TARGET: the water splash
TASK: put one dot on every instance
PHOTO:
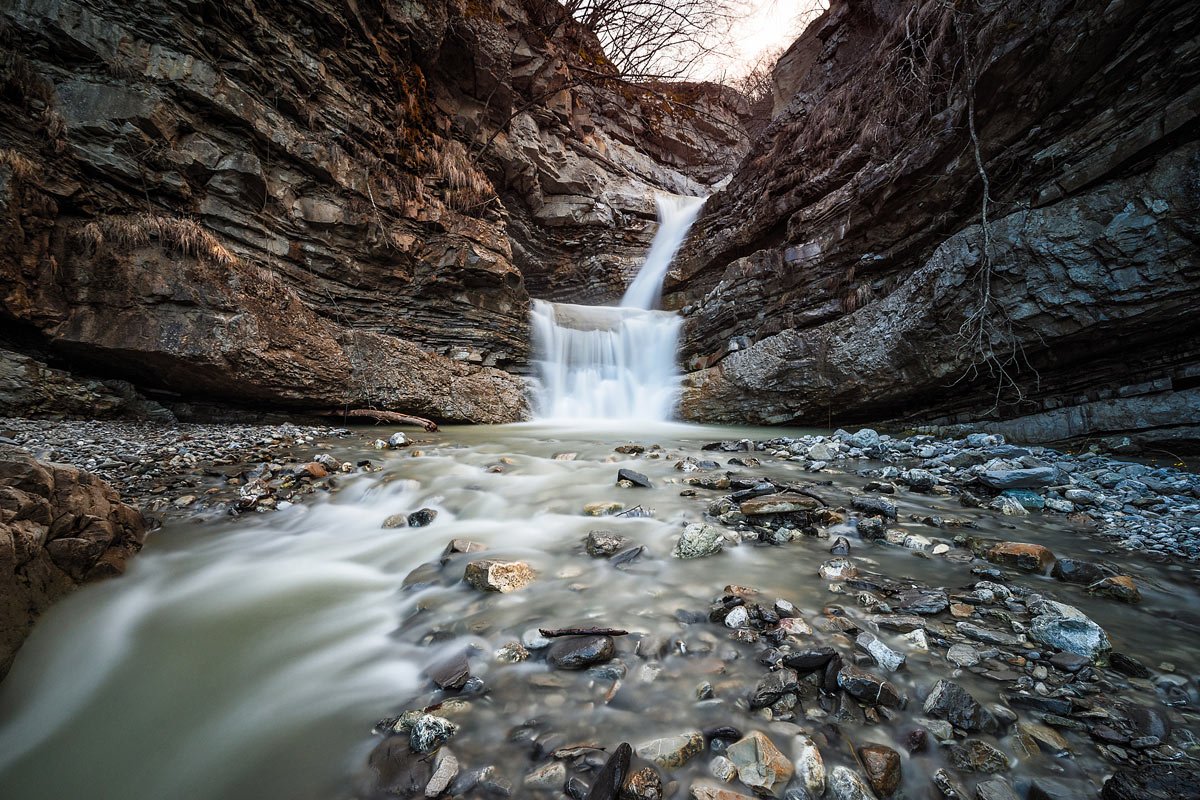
(615, 363)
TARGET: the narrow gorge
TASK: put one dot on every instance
(705, 399)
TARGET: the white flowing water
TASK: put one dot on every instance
(615, 363)
(248, 659)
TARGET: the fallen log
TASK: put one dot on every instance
(393, 417)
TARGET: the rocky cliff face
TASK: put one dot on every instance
(59, 528)
(316, 205)
(849, 272)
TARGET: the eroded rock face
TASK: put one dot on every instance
(836, 271)
(59, 528)
(293, 206)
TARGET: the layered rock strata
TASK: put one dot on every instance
(317, 206)
(849, 271)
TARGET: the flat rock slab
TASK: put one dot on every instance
(778, 504)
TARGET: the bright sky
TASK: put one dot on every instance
(768, 24)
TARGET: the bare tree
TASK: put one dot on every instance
(657, 39)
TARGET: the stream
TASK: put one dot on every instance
(250, 659)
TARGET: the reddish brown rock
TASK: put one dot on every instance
(1022, 556)
(1118, 587)
(60, 527)
(882, 765)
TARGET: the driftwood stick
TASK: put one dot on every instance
(394, 417)
(551, 633)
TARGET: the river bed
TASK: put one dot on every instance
(250, 658)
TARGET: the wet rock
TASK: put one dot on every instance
(951, 702)
(672, 752)
(1008, 506)
(553, 776)
(1118, 587)
(870, 528)
(700, 791)
(698, 540)
(451, 673)
(445, 770)
(884, 656)
(430, 732)
(580, 652)
(1127, 665)
(760, 765)
(995, 789)
(1020, 478)
(602, 508)
(1069, 662)
(867, 687)
(1022, 556)
(845, 784)
(489, 575)
(809, 659)
(962, 655)
(422, 517)
(875, 506)
(865, 439)
(779, 504)
(840, 546)
(987, 635)
(975, 755)
(808, 766)
(608, 782)
(1153, 782)
(1073, 570)
(395, 521)
(397, 770)
(949, 788)
(920, 601)
(645, 784)
(602, 544)
(882, 765)
(838, 569)
(459, 546)
(772, 686)
(903, 623)
(722, 769)
(1065, 627)
(426, 574)
(511, 653)
(636, 478)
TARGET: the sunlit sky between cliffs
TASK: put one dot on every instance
(766, 25)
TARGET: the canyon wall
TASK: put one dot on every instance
(849, 273)
(320, 205)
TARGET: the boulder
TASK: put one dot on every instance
(1065, 627)
(1021, 555)
(698, 540)
(60, 528)
(951, 702)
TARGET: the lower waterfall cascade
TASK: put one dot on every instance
(615, 362)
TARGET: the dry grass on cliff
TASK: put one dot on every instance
(467, 188)
(21, 167)
(181, 234)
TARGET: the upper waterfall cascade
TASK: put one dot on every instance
(615, 362)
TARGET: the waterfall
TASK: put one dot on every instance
(606, 362)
